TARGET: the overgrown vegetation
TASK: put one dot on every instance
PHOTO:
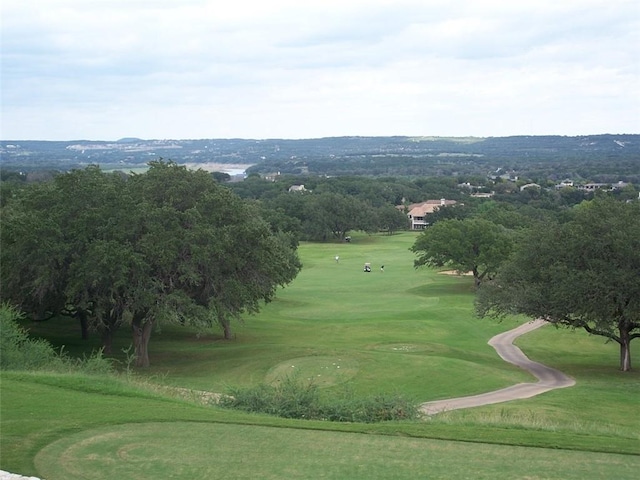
(18, 351)
(291, 398)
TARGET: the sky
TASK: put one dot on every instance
(258, 69)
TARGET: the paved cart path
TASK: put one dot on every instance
(548, 378)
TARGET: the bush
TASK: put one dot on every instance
(287, 399)
(293, 399)
(94, 364)
(378, 408)
(17, 350)
(20, 352)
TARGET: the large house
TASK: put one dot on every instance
(418, 212)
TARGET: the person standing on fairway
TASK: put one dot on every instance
(337, 259)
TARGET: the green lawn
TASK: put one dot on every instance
(401, 330)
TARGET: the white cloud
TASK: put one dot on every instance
(285, 68)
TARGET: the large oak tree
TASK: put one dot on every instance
(210, 255)
(582, 273)
(169, 245)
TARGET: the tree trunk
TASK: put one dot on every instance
(84, 325)
(625, 349)
(107, 340)
(141, 335)
(227, 330)
(477, 278)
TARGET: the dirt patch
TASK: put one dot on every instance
(198, 396)
(455, 272)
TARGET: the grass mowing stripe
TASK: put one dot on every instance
(35, 414)
(203, 451)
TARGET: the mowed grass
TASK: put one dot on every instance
(399, 331)
(73, 427)
(404, 330)
(277, 453)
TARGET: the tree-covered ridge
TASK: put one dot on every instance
(594, 157)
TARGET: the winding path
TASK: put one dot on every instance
(548, 378)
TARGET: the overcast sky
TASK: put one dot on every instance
(154, 69)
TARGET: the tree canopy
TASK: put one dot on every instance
(471, 245)
(583, 273)
(167, 245)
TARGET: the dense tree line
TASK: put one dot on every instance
(330, 208)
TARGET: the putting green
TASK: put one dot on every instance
(323, 371)
(190, 451)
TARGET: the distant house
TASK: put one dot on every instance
(271, 177)
(590, 187)
(501, 174)
(482, 194)
(565, 184)
(618, 185)
(297, 188)
(418, 212)
(476, 191)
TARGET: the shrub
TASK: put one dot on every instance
(17, 350)
(94, 364)
(287, 399)
(20, 352)
(293, 399)
(377, 408)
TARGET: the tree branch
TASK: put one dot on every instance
(594, 331)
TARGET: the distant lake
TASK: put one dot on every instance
(230, 168)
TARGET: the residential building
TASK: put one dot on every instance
(418, 212)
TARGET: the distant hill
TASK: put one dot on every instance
(594, 157)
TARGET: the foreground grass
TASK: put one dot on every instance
(205, 450)
(74, 427)
(403, 331)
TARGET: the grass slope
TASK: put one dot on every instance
(74, 427)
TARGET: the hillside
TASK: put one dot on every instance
(598, 157)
